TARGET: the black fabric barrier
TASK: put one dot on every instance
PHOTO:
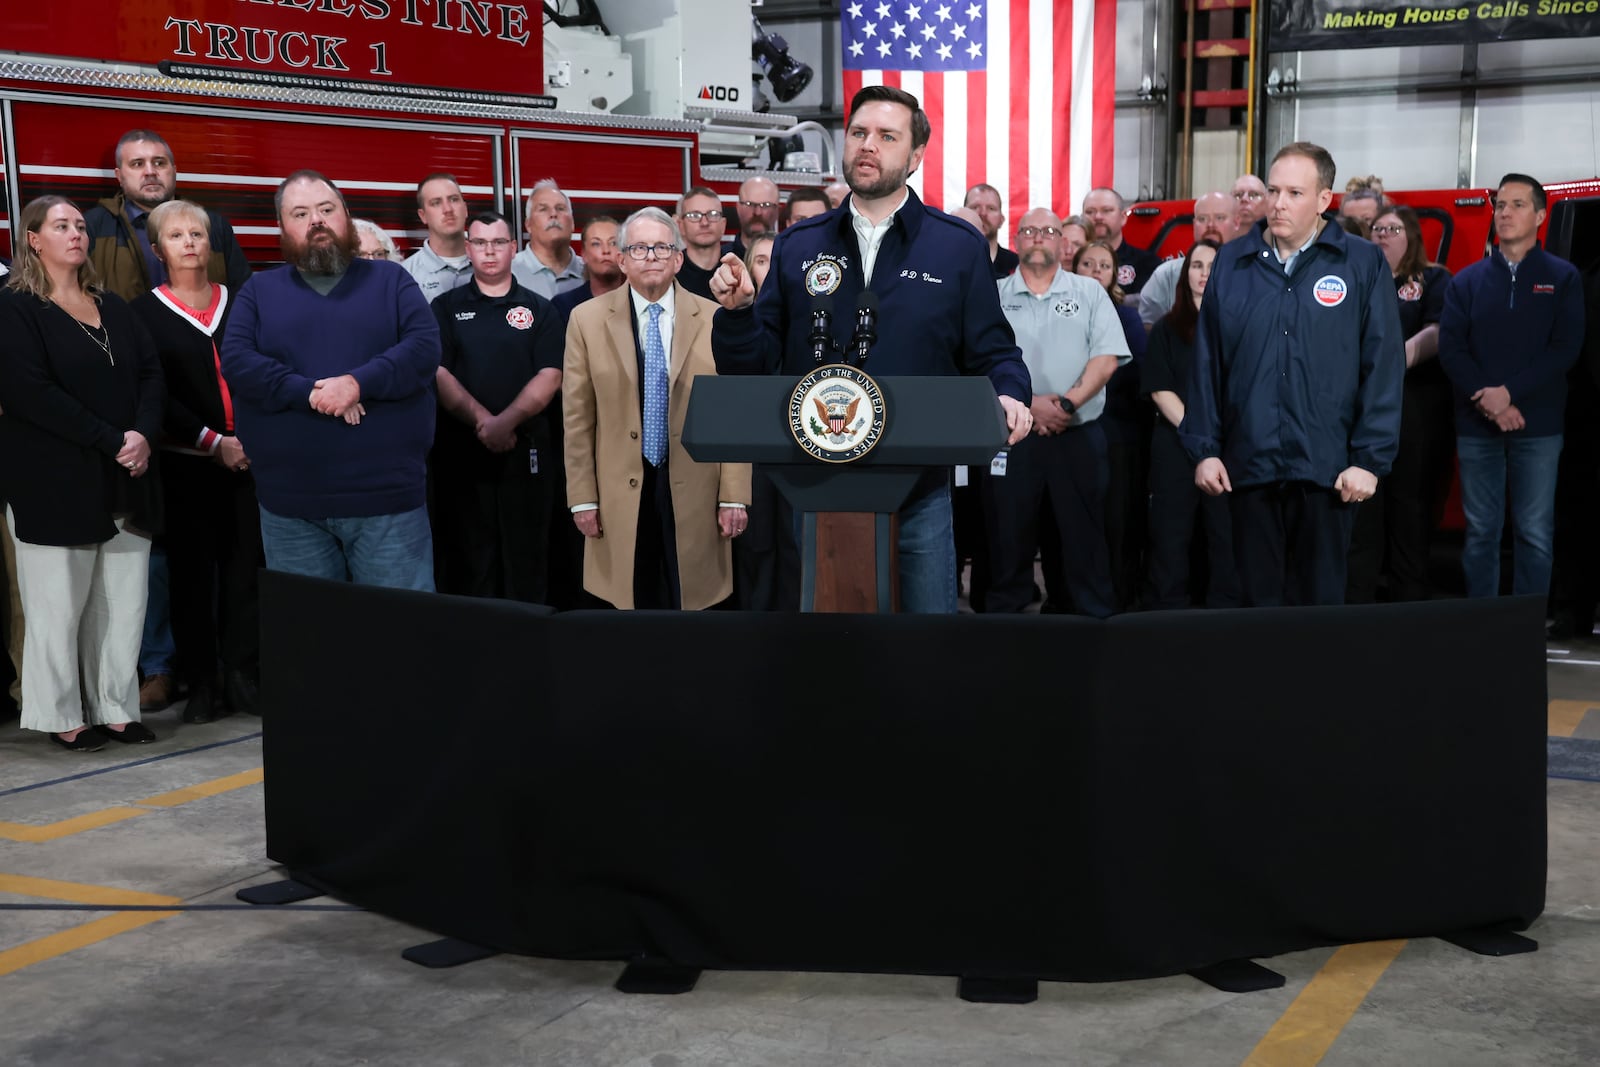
(1031, 796)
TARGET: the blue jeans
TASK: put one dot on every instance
(1527, 466)
(927, 548)
(158, 649)
(388, 550)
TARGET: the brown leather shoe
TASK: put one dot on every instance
(156, 693)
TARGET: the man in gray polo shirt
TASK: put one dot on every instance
(1215, 218)
(1071, 341)
(441, 264)
(547, 265)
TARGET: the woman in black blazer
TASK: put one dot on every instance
(213, 530)
(81, 396)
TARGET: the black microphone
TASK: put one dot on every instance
(822, 343)
(866, 334)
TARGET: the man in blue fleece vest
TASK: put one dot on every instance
(1511, 328)
(331, 361)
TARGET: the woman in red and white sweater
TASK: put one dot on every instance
(213, 523)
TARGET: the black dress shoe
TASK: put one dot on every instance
(134, 733)
(242, 692)
(201, 706)
(86, 741)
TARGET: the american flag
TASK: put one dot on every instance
(1020, 92)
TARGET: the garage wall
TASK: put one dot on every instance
(1407, 114)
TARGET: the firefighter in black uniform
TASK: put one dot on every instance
(493, 464)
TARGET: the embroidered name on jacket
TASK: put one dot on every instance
(1544, 289)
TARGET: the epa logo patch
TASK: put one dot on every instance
(1330, 290)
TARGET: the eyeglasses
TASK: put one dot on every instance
(376, 253)
(661, 251)
(1036, 231)
(480, 243)
(758, 205)
(706, 216)
(1250, 195)
(1388, 231)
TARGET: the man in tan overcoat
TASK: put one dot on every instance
(656, 524)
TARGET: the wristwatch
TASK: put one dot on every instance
(1067, 405)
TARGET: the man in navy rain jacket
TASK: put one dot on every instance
(1294, 399)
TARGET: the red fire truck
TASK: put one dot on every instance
(1457, 224)
(373, 93)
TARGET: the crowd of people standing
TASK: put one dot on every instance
(1269, 418)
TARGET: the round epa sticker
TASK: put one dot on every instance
(520, 317)
(836, 413)
(1126, 274)
(1330, 290)
(823, 277)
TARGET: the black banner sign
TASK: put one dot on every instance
(1308, 25)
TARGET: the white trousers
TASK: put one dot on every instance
(85, 610)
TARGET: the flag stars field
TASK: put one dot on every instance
(1013, 93)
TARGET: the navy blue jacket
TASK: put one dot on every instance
(938, 305)
(1297, 376)
(1524, 335)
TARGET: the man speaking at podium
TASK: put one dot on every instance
(938, 310)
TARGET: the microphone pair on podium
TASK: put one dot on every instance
(824, 348)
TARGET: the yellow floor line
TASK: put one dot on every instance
(1565, 715)
(24, 885)
(1310, 1025)
(59, 944)
(16, 831)
(204, 789)
(52, 945)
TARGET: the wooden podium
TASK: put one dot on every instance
(848, 527)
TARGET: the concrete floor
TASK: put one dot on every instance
(179, 823)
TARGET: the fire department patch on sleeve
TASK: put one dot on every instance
(520, 317)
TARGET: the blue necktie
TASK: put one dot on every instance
(655, 390)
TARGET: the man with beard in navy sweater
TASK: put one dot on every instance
(331, 361)
(1511, 328)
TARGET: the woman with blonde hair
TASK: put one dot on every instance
(82, 396)
(758, 257)
(213, 529)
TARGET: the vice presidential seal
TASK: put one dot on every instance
(823, 277)
(836, 413)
